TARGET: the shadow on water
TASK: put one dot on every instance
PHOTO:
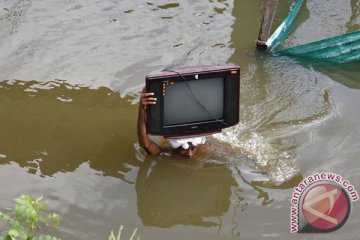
(55, 127)
(346, 73)
(172, 192)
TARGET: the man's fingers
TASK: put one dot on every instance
(148, 94)
(149, 102)
(151, 99)
(147, 98)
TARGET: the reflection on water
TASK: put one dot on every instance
(354, 22)
(172, 192)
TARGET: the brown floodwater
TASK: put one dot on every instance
(70, 76)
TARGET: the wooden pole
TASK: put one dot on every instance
(265, 27)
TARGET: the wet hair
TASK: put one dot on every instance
(191, 146)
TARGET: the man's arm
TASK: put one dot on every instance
(144, 140)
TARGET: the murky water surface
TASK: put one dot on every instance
(70, 76)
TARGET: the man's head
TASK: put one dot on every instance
(187, 146)
(189, 152)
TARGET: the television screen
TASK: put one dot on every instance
(194, 101)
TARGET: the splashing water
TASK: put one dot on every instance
(278, 165)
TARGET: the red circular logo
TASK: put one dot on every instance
(326, 207)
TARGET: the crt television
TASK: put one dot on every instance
(193, 100)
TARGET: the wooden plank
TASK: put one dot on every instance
(265, 27)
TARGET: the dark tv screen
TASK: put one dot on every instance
(194, 101)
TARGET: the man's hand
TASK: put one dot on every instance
(146, 99)
(144, 141)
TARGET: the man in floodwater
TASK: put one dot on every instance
(186, 147)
